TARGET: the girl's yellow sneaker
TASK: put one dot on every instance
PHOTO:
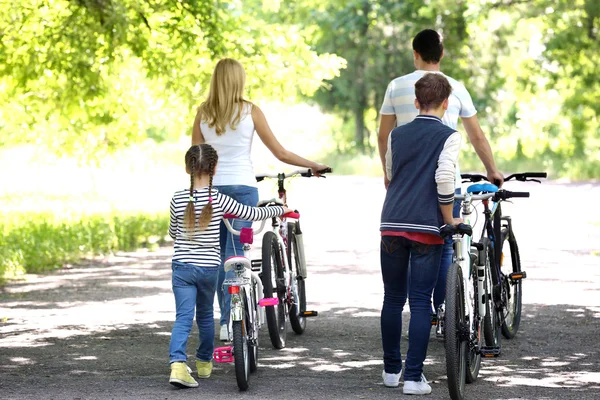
(204, 368)
(180, 376)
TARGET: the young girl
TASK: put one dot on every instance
(194, 225)
(227, 121)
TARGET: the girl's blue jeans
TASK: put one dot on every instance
(230, 244)
(396, 252)
(194, 289)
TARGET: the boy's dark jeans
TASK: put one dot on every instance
(396, 252)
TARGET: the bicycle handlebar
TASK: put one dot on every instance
(238, 233)
(494, 196)
(226, 217)
(522, 176)
(307, 173)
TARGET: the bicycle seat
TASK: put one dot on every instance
(231, 263)
(449, 230)
(482, 188)
(263, 203)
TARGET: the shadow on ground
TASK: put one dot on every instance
(102, 332)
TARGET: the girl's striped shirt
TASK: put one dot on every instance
(202, 248)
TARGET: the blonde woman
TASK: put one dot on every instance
(227, 121)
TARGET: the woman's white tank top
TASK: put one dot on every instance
(234, 149)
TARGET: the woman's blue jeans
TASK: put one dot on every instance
(396, 252)
(230, 244)
(194, 288)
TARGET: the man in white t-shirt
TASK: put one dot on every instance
(399, 108)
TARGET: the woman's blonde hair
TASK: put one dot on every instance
(225, 102)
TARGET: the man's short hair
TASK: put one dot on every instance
(428, 43)
(431, 91)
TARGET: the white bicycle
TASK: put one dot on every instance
(247, 308)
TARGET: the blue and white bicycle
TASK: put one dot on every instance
(483, 288)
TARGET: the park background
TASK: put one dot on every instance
(97, 99)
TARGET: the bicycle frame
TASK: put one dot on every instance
(245, 278)
(279, 226)
(463, 245)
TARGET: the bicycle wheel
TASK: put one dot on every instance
(273, 278)
(474, 356)
(297, 321)
(252, 330)
(455, 324)
(491, 323)
(240, 355)
(511, 290)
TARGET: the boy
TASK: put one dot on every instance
(421, 163)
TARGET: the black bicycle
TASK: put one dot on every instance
(483, 289)
(499, 250)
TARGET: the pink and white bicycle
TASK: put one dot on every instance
(247, 308)
(284, 266)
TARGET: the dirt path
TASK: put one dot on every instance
(101, 330)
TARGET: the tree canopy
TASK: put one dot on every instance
(85, 76)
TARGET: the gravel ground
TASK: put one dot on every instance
(100, 330)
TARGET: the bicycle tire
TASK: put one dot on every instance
(253, 348)
(513, 290)
(473, 355)
(272, 267)
(454, 320)
(240, 355)
(491, 324)
(298, 322)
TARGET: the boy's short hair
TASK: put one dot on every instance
(428, 43)
(431, 90)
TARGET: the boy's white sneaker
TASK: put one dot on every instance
(224, 334)
(390, 380)
(414, 387)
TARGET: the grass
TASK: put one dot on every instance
(37, 242)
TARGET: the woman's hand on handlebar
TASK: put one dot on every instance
(318, 167)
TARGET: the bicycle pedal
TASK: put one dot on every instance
(489, 352)
(517, 276)
(434, 319)
(268, 301)
(309, 313)
(223, 354)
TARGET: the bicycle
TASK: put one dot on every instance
(504, 281)
(477, 294)
(284, 266)
(245, 318)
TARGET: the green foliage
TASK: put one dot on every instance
(33, 242)
(87, 77)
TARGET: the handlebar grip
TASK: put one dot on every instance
(291, 214)
(536, 174)
(505, 195)
(327, 170)
(516, 194)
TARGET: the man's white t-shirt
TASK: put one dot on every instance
(400, 101)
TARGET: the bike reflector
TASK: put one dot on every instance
(233, 289)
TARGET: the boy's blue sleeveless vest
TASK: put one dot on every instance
(411, 203)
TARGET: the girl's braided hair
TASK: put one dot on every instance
(200, 160)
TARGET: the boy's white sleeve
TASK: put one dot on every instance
(388, 158)
(446, 170)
